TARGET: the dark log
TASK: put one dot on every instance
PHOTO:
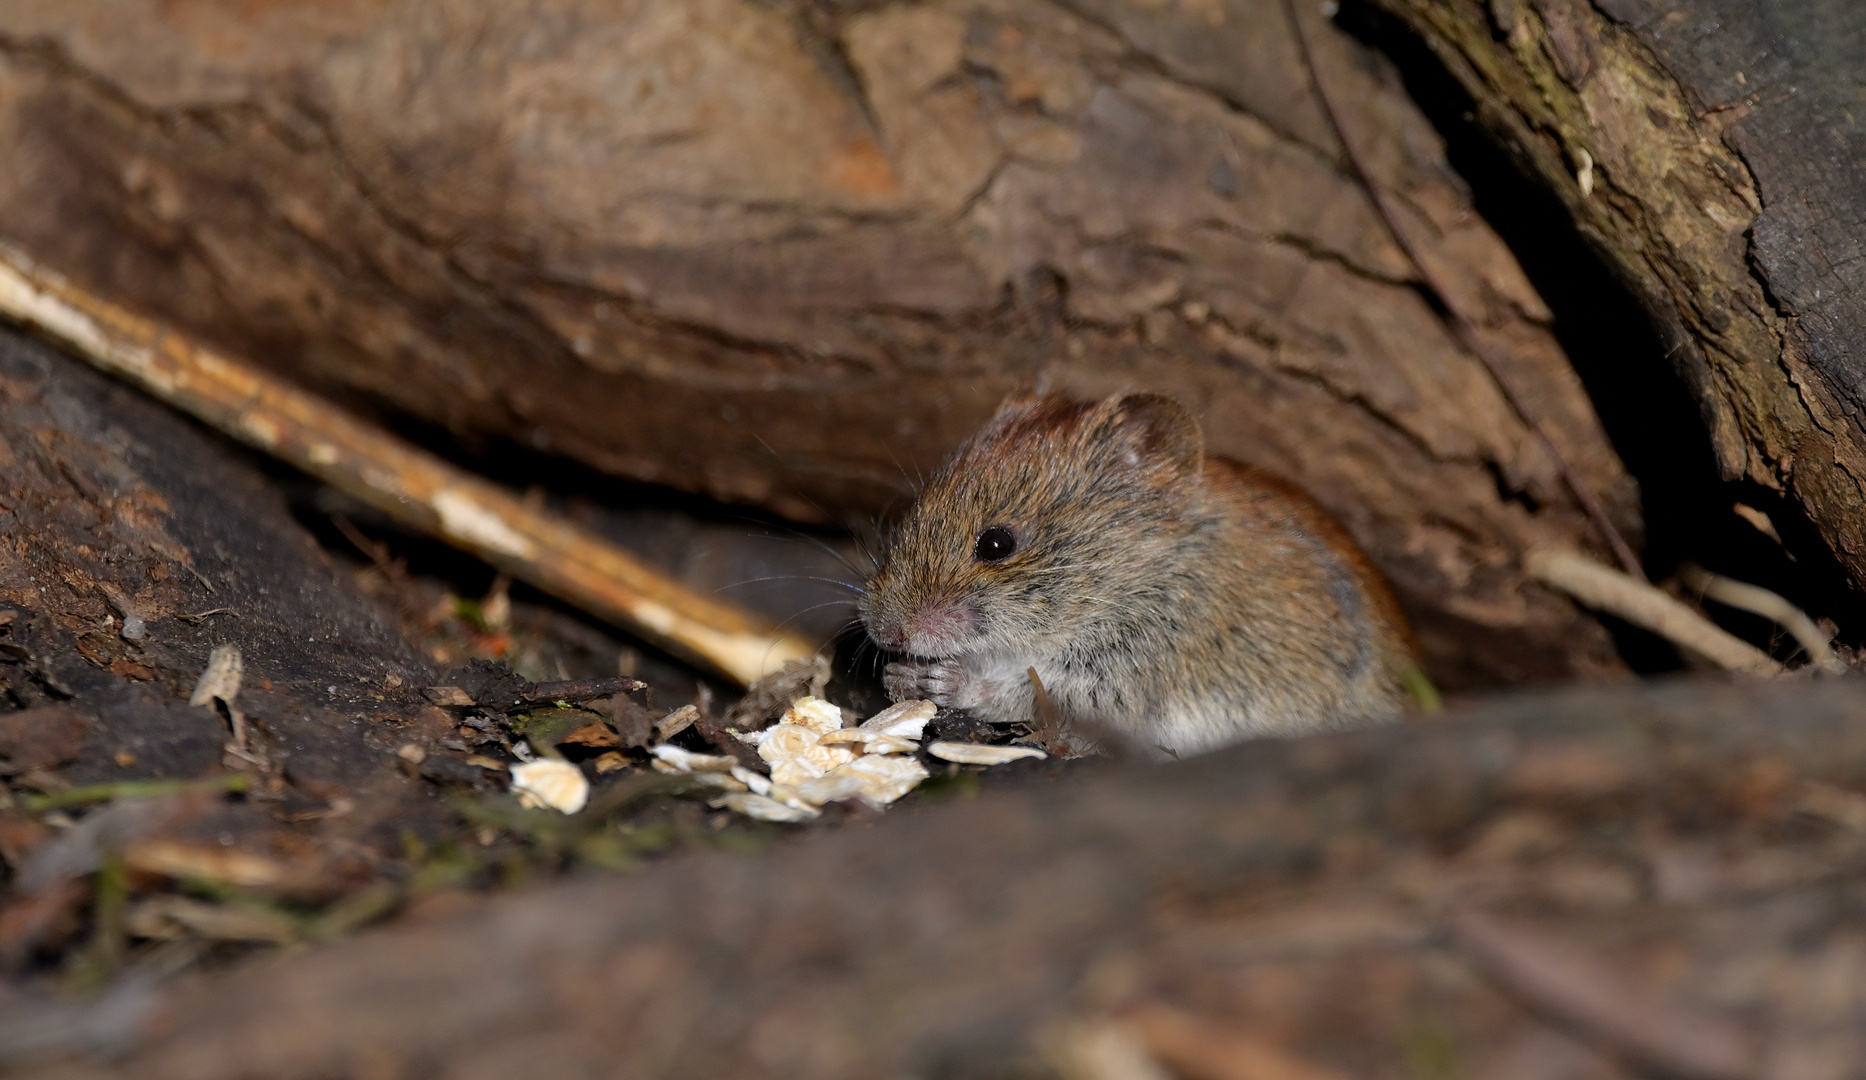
(1722, 143)
(790, 254)
(131, 544)
(1588, 884)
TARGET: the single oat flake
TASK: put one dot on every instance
(905, 720)
(764, 808)
(550, 782)
(671, 758)
(974, 754)
(791, 748)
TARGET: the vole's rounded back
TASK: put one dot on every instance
(1185, 602)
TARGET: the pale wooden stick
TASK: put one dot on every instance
(412, 486)
(1760, 601)
(1606, 589)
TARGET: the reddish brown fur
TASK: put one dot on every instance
(1248, 481)
(1183, 600)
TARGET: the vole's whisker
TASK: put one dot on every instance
(856, 589)
(821, 544)
(918, 480)
(795, 615)
(867, 553)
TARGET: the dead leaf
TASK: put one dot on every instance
(169, 917)
(220, 680)
(594, 733)
(226, 866)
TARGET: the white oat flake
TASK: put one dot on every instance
(906, 719)
(974, 754)
(679, 759)
(550, 782)
(763, 807)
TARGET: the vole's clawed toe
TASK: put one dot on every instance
(944, 683)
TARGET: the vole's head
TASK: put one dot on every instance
(1044, 522)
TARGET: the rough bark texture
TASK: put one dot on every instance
(1661, 880)
(1726, 143)
(131, 544)
(661, 236)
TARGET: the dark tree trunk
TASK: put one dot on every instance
(1728, 180)
(132, 544)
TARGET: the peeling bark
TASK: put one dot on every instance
(1725, 145)
(659, 237)
(131, 544)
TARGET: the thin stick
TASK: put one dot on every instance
(1760, 601)
(413, 487)
(1606, 589)
(1465, 328)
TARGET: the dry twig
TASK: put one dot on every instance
(414, 487)
(1760, 601)
(1606, 589)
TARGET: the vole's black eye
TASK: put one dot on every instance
(995, 544)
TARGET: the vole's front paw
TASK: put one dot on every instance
(945, 684)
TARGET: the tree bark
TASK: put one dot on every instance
(790, 254)
(1604, 883)
(131, 545)
(1722, 145)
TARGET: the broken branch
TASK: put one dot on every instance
(1606, 589)
(1760, 601)
(414, 487)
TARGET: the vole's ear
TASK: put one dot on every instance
(1155, 432)
(1028, 408)
(1025, 397)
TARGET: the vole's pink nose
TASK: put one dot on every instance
(940, 629)
(887, 633)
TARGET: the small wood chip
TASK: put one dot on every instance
(225, 866)
(221, 678)
(451, 696)
(595, 733)
(676, 722)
